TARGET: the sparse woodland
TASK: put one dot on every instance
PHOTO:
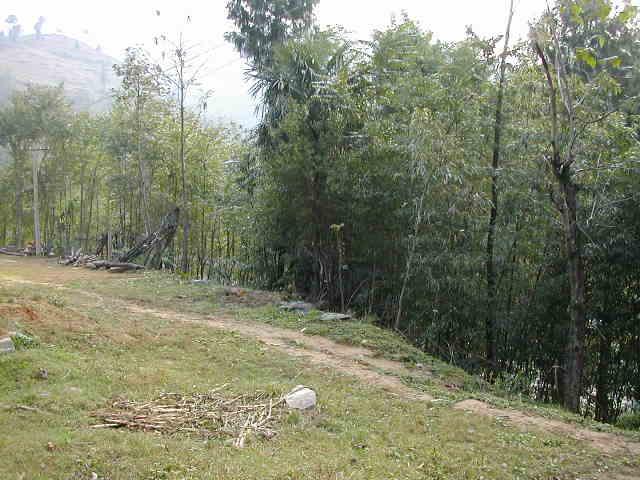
(480, 197)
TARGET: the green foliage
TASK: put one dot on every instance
(389, 140)
(263, 24)
(629, 421)
(23, 341)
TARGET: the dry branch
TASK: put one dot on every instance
(210, 415)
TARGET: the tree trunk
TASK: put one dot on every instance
(143, 169)
(574, 355)
(490, 326)
(602, 386)
(183, 168)
(18, 157)
(568, 206)
(36, 203)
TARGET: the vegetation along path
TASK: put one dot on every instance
(129, 296)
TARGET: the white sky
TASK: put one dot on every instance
(116, 24)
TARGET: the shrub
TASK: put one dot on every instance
(22, 341)
(629, 421)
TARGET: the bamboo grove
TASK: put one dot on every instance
(479, 196)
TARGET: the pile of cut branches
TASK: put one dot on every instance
(91, 261)
(210, 415)
(78, 259)
(12, 251)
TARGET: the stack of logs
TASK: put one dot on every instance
(91, 261)
(150, 250)
(12, 251)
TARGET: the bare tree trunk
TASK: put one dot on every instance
(18, 156)
(568, 207)
(143, 168)
(36, 203)
(490, 332)
(574, 361)
(87, 233)
(183, 168)
(603, 413)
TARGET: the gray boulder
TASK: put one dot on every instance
(301, 398)
(6, 345)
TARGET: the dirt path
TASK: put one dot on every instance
(606, 442)
(356, 361)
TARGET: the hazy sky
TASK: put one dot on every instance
(116, 24)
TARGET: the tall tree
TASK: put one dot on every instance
(493, 216)
(27, 125)
(264, 24)
(577, 100)
(141, 83)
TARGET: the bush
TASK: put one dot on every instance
(22, 341)
(629, 421)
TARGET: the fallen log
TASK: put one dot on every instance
(153, 246)
(13, 254)
(114, 266)
(84, 260)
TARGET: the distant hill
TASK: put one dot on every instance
(87, 73)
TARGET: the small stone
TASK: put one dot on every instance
(6, 345)
(328, 317)
(301, 398)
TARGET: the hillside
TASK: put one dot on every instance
(96, 345)
(86, 73)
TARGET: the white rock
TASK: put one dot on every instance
(327, 317)
(6, 345)
(301, 398)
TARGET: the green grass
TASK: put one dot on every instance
(94, 352)
(357, 431)
(445, 381)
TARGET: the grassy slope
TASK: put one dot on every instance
(167, 291)
(94, 354)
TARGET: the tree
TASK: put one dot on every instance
(14, 27)
(495, 169)
(576, 102)
(27, 125)
(141, 83)
(262, 25)
(38, 26)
